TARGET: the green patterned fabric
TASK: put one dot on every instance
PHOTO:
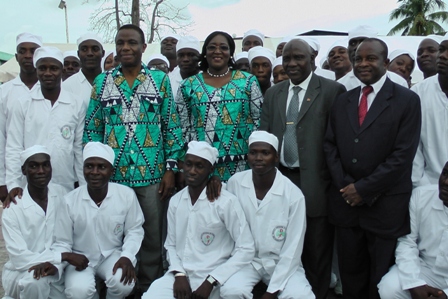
(140, 123)
(224, 117)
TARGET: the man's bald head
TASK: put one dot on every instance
(297, 60)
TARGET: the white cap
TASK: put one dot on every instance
(158, 56)
(313, 42)
(263, 136)
(259, 51)
(444, 38)
(434, 37)
(254, 32)
(285, 40)
(28, 38)
(106, 54)
(172, 35)
(71, 54)
(98, 150)
(362, 31)
(322, 61)
(188, 42)
(241, 55)
(339, 43)
(203, 150)
(89, 36)
(399, 52)
(31, 151)
(278, 61)
(48, 52)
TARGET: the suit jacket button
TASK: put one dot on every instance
(354, 161)
(356, 140)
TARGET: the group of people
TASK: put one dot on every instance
(248, 167)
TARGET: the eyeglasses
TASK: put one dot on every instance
(222, 48)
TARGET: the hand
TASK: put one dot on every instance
(128, 275)
(78, 260)
(181, 288)
(44, 269)
(17, 191)
(166, 189)
(425, 291)
(350, 195)
(214, 186)
(203, 292)
(3, 193)
(269, 295)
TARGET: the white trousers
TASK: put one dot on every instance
(162, 288)
(81, 284)
(22, 284)
(390, 286)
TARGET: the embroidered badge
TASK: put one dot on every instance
(66, 132)
(279, 233)
(207, 238)
(118, 229)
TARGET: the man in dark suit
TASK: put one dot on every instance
(296, 111)
(370, 144)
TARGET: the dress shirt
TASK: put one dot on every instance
(9, 93)
(80, 86)
(427, 244)
(28, 231)
(278, 225)
(432, 152)
(97, 232)
(207, 238)
(376, 88)
(59, 127)
(175, 79)
(350, 81)
(304, 86)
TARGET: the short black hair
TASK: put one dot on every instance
(384, 50)
(133, 27)
(203, 64)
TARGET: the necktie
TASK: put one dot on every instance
(291, 150)
(362, 109)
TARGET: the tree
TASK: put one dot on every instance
(155, 17)
(418, 17)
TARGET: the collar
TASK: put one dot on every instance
(63, 96)
(377, 85)
(437, 204)
(116, 72)
(86, 196)
(18, 82)
(304, 84)
(81, 77)
(277, 187)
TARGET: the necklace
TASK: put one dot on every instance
(217, 76)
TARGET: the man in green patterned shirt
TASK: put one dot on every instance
(131, 109)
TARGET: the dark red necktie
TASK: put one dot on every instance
(362, 109)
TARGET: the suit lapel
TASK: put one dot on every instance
(281, 102)
(380, 103)
(352, 108)
(310, 95)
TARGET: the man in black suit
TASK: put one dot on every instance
(370, 144)
(296, 111)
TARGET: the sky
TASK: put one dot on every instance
(275, 18)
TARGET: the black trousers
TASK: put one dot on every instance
(318, 246)
(364, 258)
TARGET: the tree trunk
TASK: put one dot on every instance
(117, 15)
(135, 12)
(153, 21)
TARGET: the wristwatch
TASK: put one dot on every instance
(212, 280)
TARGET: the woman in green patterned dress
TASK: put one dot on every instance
(220, 105)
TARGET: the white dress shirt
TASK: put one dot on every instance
(10, 92)
(376, 88)
(59, 127)
(79, 85)
(304, 86)
(207, 238)
(350, 81)
(427, 244)
(278, 225)
(175, 79)
(432, 151)
(97, 232)
(28, 231)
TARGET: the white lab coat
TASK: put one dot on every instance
(97, 232)
(325, 73)
(432, 152)
(425, 249)
(80, 86)
(278, 226)
(60, 128)
(10, 92)
(350, 81)
(28, 233)
(175, 79)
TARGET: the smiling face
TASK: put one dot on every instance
(49, 73)
(403, 65)
(37, 170)
(218, 53)
(338, 60)
(97, 172)
(370, 63)
(130, 47)
(297, 58)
